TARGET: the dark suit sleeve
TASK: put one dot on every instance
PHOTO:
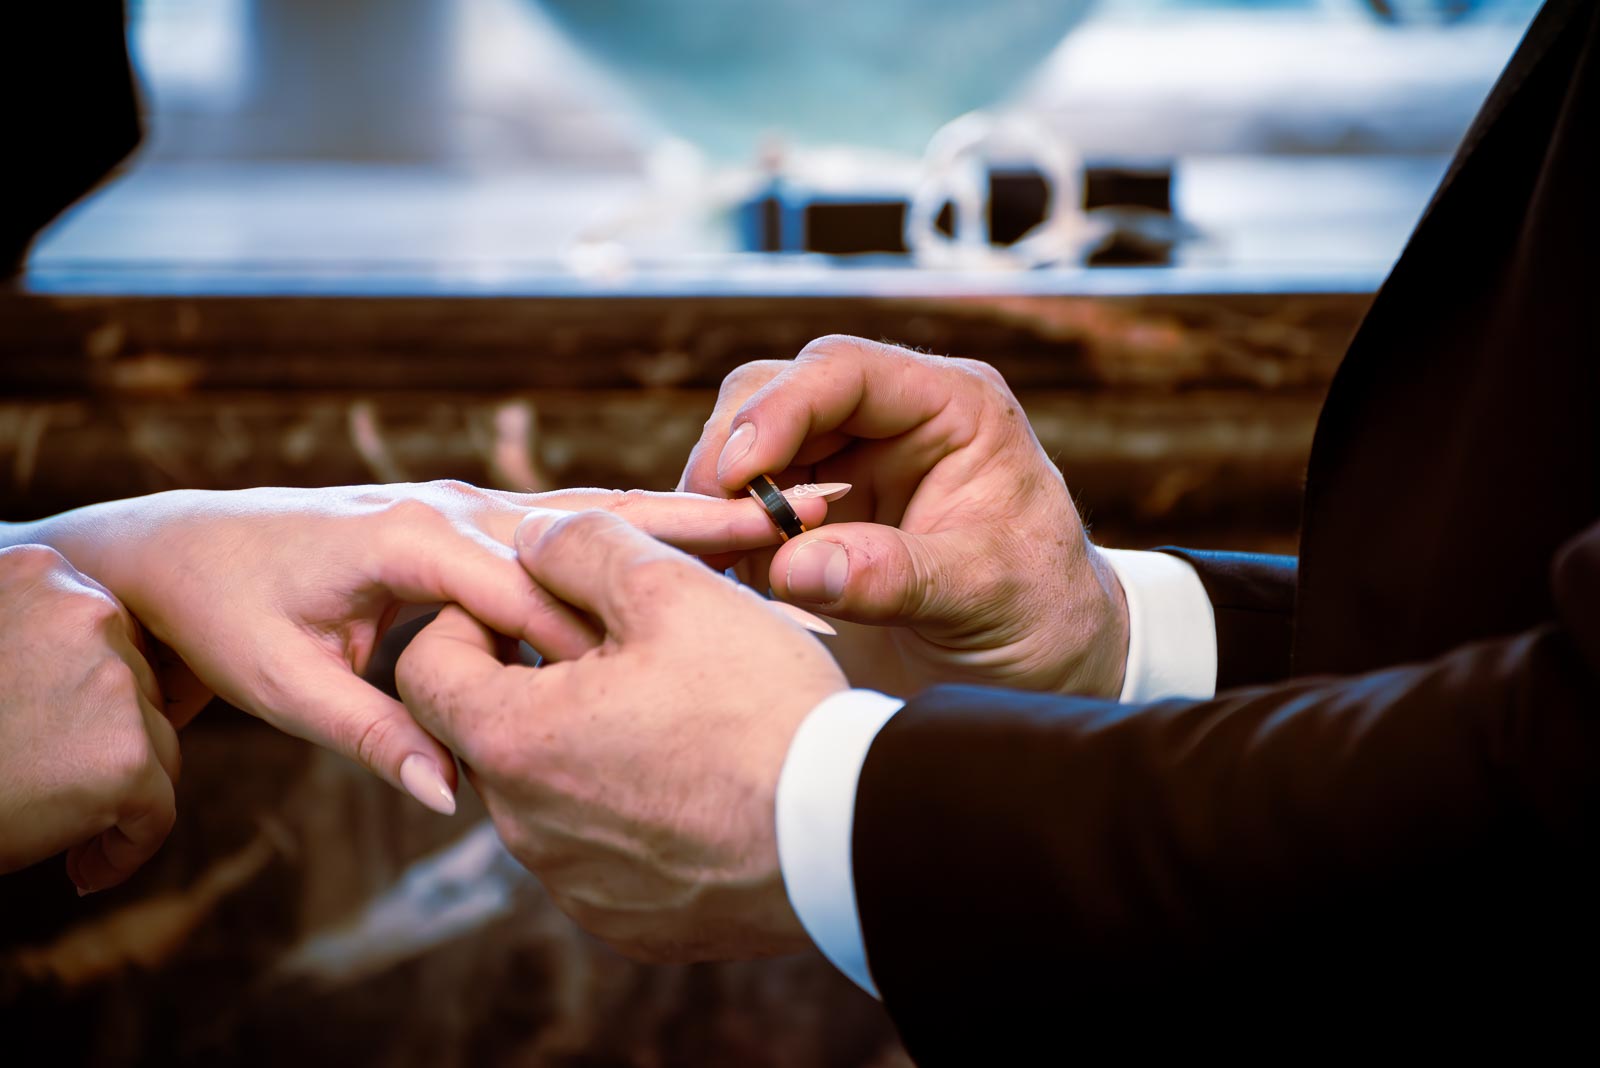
(1252, 599)
(71, 111)
(1327, 851)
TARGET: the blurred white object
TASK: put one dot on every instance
(956, 170)
(442, 897)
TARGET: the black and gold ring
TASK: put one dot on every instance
(783, 516)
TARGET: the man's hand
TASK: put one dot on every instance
(276, 598)
(959, 545)
(638, 779)
(87, 761)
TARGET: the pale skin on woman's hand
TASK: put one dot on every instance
(638, 779)
(87, 760)
(275, 599)
(960, 548)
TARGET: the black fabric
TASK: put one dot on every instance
(71, 111)
(1252, 599)
(1391, 849)
(1460, 443)
(1402, 854)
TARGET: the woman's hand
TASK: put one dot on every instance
(87, 760)
(276, 598)
(960, 545)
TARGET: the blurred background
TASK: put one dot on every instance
(529, 138)
(520, 242)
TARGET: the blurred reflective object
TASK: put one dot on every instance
(956, 170)
(438, 899)
(724, 74)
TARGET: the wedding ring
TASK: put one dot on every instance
(782, 515)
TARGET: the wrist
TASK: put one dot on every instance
(109, 541)
(76, 535)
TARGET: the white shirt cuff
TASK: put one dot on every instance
(1172, 631)
(816, 811)
(1172, 652)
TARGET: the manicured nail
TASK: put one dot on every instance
(817, 571)
(84, 893)
(828, 491)
(421, 778)
(815, 624)
(732, 452)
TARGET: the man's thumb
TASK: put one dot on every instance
(867, 573)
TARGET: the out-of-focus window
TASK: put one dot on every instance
(518, 81)
(1184, 77)
(502, 133)
(189, 48)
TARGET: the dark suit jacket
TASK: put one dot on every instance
(1383, 826)
(71, 113)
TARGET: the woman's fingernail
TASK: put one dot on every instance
(84, 893)
(815, 624)
(422, 780)
(737, 445)
(828, 491)
(817, 571)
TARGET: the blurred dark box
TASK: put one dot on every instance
(787, 217)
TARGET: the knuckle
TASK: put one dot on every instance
(26, 562)
(407, 513)
(454, 487)
(412, 677)
(986, 373)
(754, 373)
(835, 345)
(420, 662)
(111, 681)
(85, 614)
(622, 502)
(582, 526)
(369, 740)
(99, 609)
